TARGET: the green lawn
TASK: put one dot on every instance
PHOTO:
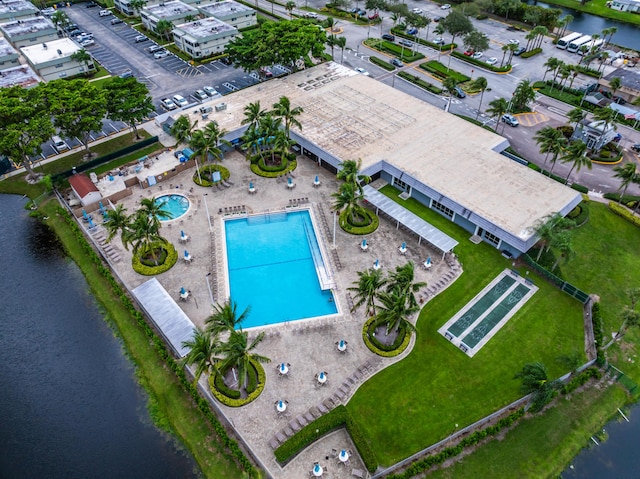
(418, 401)
(599, 8)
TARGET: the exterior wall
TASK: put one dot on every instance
(198, 47)
(65, 67)
(124, 7)
(625, 6)
(33, 38)
(240, 20)
(9, 61)
(18, 15)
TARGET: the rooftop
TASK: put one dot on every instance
(6, 49)
(169, 9)
(353, 116)
(629, 78)
(21, 75)
(46, 52)
(206, 27)
(27, 25)
(224, 8)
(8, 6)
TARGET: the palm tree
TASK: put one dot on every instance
(449, 84)
(529, 37)
(627, 175)
(182, 129)
(630, 317)
(281, 144)
(562, 243)
(603, 58)
(225, 317)
(252, 115)
(332, 42)
(346, 200)
(153, 210)
(556, 148)
(349, 173)
(548, 228)
(401, 280)
(497, 108)
(610, 32)
(202, 353)
(61, 21)
(342, 43)
(237, 354)
(576, 154)
(481, 84)
(163, 28)
(575, 116)
(505, 49)
(117, 221)
(142, 234)
(205, 143)
(82, 56)
(288, 115)
(607, 116)
(366, 289)
(137, 5)
(547, 138)
(290, 6)
(550, 65)
(614, 84)
(536, 382)
(394, 310)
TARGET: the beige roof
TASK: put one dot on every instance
(354, 116)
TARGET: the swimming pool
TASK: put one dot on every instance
(176, 205)
(275, 266)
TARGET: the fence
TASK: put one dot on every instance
(623, 379)
(568, 288)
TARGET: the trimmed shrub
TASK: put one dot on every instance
(227, 400)
(420, 82)
(625, 213)
(381, 63)
(580, 379)
(580, 214)
(580, 188)
(291, 166)
(222, 388)
(369, 226)
(169, 260)
(531, 53)
(384, 351)
(440, 71)
(204, 179)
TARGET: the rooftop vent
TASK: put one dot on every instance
(59, 52)
(44, 45)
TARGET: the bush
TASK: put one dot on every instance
(580, 188)
(625, 213)
(598, 330)
(481, 64)
(399, 345)
(587, 71)
(170, 259)
(381, 63)
(566, 130)
(420, 82)
(292, 164)
(531, 53)
(482, 16)
(440, 71)
(581, 379)
(580, 214)
(222, 394)
(369, 226)
(204, 179)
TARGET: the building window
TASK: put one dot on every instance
(400, 184)
(493, 239)
(62, 74)
(59, 65)
(448, 212)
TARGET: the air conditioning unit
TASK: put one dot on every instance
(221, 106)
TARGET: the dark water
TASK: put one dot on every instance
(627, 36)
(617, 457)
(70, 406)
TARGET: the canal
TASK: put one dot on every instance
(71, 406)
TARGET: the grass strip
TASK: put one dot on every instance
(170, 406)
(600, 9)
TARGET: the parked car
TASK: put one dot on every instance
(397, 62)
(388, 36)
(362, 13)
(477, 55)
(266, 72)
(160, 54)
(513, 41)
(439, 41)
(155, 48)
(619, 100)
(469, 52)
(87, 42)
(200, 95)
(180, 100)
(362, 71)
(406, 43)
(492, 61)
(510, 120)
(126, 74)
(412, 31)
(47, 12)
(75, 33)
(636, 147)
(520, 51)
(457, 91)
(168, 104)
(417, 10)
(209, 90)
(105, 13)
(116, 20)
(59, 144)
(373, 16)
(310, 15)
(437, 19)
(141, 38)
(91, 5)
(354, 10)
(446, 6)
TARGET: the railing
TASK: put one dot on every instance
(325, 278)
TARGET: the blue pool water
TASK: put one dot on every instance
(176, 205)
(271, 268)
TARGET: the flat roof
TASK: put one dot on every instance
(6, 48)
(206, 27)
(353, 116)
(8, 6)
(169, 9)
(28, 25)
(22, 75)
(224, 8)
(45, 52)
(628, 77)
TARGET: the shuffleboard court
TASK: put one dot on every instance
(483, 316)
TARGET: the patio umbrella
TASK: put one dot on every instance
(283, 368)
(251, 185)
(429, 260)
(84, 214)
(91, 225)
(342, 345)
(321, 375)
(101, 207)
(182, 291)
(317, 180)
(377, 264)
(186, 254)
(404, 245)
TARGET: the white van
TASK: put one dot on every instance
(59, 144)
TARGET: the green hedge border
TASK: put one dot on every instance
(169, 262)
(416, 80)
(359, 230)
(531, 53)
(382, 63)
(238, 402)
(625, 213)
(292, 165)
(440, 71)
(583, 214)
(374, 349)
(480, 63)
(224, 174)
(334, 419)
(161, 348)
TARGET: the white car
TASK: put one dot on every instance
(160, 54)
(212, 92)
(310, 15)
(492, 61)
(180, 100)
(446, 6)
(477, 55)
(87, 43)
(417, 10)
(362, 71)
(105, 13)
(200, 95)
(513, 41)
(168, 104)
(439, 41)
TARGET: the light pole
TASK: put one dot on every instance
(209, 288)
(335, 217)
(206, 207)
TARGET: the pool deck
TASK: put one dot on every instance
(308, 345)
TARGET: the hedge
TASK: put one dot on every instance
(370, 226)
(161, 348)
(587, 71)
(598, 331)
(480, 63)
(441, 72)
(580, 214)
(171, 259)
(221, 391)
(580, 188)
(202, 180)
(382, 63)
(581, 379)
(386, 352)
(531, 53)
(420, 82)
(334, 419)
(624, 212)
(291, 166)
(405, 54)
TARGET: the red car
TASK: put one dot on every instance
(373, 16)
(469, 53)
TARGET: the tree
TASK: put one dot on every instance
(164, 28)
(237, 353)
(607, 116)
(366, 289)
(627, 175)
(505, 49)
(449, 84)
(610, 31)
(206, 142)
(481, 84)
(82, 56)
(547, 230)
(154, 211)
(562, 25)
(456, 24)
(202, 353)
(529, 37)
(614, 85)
(253, 113)
(277, 43)
(346, 200)
(137, 5)
(523, 95)
(117, 221)
(548, 139)
(182, 129)
(394, 310)
(575, 116)
(550, 65)
(401, 280)
(349, 173)
(290, 6)
(536, 382)
(25, 123)
(562, 244)
(511, 48)
(288, 115)
(142, 234)
(342, 43)
(61, 21)
(576, 154)
(496, 109)
(225, 317)
(128, 100)
(541, 32)
(476, 41)
(78, 108)
(507, 5)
